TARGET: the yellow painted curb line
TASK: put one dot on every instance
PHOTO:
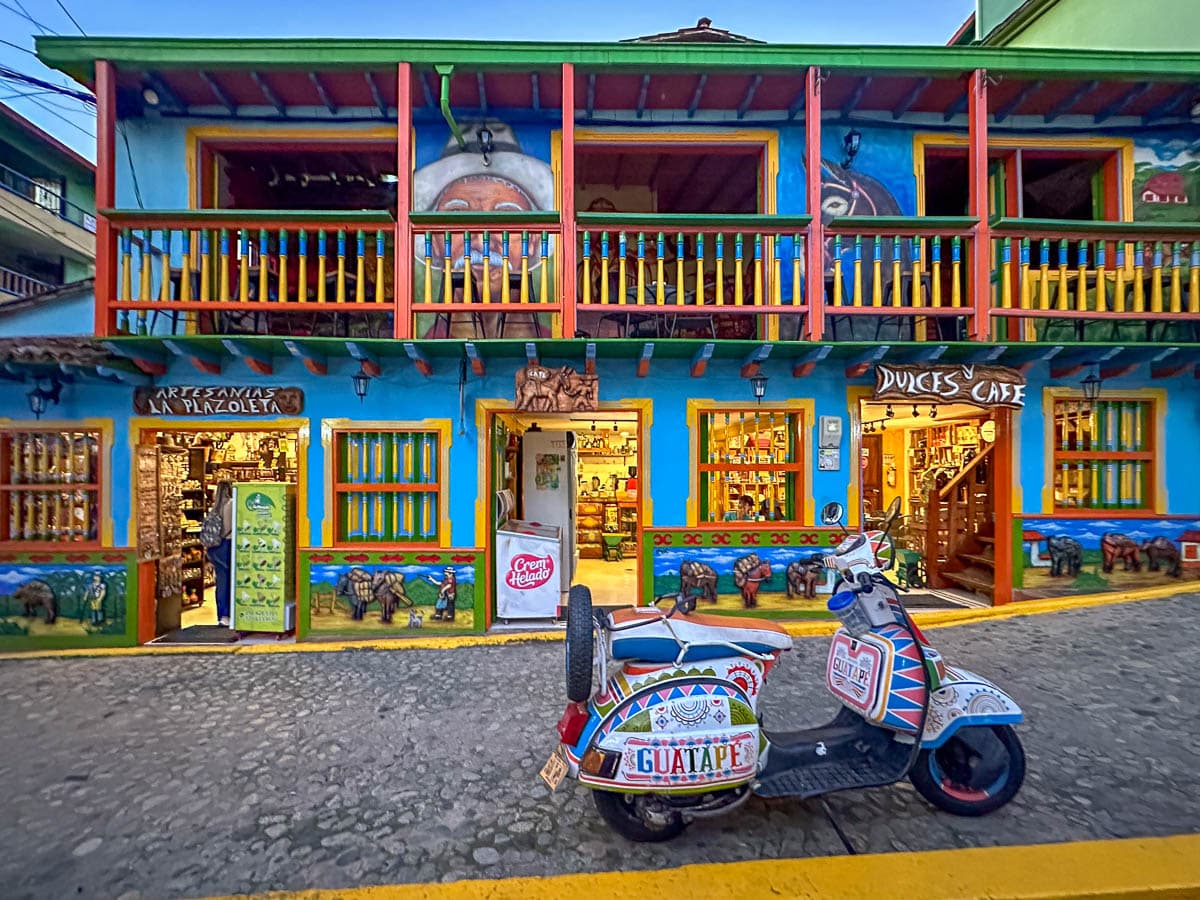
(1139, 868)
(932, 619)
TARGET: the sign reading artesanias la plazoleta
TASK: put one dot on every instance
(218, 400)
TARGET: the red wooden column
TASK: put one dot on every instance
(981, 254)
(1005, 481)
(815, 251)
(106, 192)
(402, 270)
(567, 252)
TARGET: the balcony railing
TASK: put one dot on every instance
(473, 271)
(46, 198)
(16, 284)
(659, 275)
(480, 275)
(1127, 278)
(898, 278)
(253, 270)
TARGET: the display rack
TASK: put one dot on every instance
(610, 510)
(197, 571)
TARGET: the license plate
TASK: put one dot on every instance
(555, 769)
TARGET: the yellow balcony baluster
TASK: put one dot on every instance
(244, 265)
(185, 267)
(206, 263)
(758, 270)
(622, 252)
(1119, 279)
(1006, 274)
(797, 253)
(1176, 280)
(857, 299)
(877, 272)
(739, 272)
(719, 252)
(524, 266)
(165, 287)
(679, 258)
(1044, 275)
(468, 268)
(586, 282)
(380, 253)
(322, 266)
(486, 287)
(302, 266)
(1081, 298)
(896, 282)
(1064, 263)
(935, 269)
(447, 267)
(776, 272)
(126, 265)
(223, 269)
(544, 285)
(1101, 276)
(341, 265)
(641, 267)
(836, 300)
(1194, 279)
(264, 271)
(604, 268)
(956, 272)
(916, 272)
(146, 266)
(660, 286)
(1026, 300)
(699, 273)
(283, 266)
(1156, 288)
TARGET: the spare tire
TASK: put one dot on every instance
(580, 648)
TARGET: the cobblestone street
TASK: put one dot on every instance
(188, 776)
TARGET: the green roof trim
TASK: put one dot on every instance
(1132, 230)
(76, 57)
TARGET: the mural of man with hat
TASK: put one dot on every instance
(447, 594)
(465, 179)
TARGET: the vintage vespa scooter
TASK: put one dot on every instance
(674, 733)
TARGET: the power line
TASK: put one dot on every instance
(18, 47)
(56, 114)
(14, 75)
(24, 14)
(25, 10)
(71, 17)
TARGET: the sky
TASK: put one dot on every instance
(779, 21)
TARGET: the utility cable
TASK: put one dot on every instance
(71, 17)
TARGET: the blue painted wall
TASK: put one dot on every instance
(64, 316)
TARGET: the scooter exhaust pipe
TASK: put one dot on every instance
(690, 815)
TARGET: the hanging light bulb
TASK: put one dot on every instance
(883, 426)
(933, 411)
(890, 412)
(614, 426)
(916, 415)
(593, 424)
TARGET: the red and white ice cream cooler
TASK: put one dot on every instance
(528, 570)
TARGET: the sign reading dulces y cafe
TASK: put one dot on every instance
(218, 400)
(986, 386)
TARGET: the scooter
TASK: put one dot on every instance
(674, 734)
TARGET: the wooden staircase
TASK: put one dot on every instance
(962, 526)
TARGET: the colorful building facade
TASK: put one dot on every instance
(374, 268)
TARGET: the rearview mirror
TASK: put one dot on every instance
(831, 513)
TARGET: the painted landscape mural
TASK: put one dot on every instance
(746, 573)
(1166, 180)
(1061, 557)
(391, 594)
(65, 600)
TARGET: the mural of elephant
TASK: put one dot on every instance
(1114, 546)
(1066, 556)
(749, 572)
(35, 593)
(697, 576)
(802, 580)
(1160, 551)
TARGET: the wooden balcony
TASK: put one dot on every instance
(1095, 281)
(488, 275)
(251, 271)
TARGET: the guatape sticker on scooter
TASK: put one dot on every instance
(698, 760)
(853, 671)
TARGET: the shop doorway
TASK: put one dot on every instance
(597, 497)
(942, 462)
(176, 477)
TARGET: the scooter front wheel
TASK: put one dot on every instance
(974, 773)
(639, 817)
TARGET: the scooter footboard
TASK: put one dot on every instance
(964, 699)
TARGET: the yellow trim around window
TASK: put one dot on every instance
(1157, 395)
(806, 406)
(107, 430)
(444, 429)
(241, 133)
(139, 424)
(1121, 146)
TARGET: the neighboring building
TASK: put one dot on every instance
(47, 210)
(747, 279)
(1083, 24)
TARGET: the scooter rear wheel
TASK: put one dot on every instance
(633, 818)
(943, 775)
(580, 643)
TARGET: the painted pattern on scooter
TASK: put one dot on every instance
(966, 699)
(879, 675)
(711, 759)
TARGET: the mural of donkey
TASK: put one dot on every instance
(802, 580)
(355, 586)
(1066, 556)
(749, 572)
(388, 587)
(35, 593)
(1114, 546)
(1160, 551)
(697, 576)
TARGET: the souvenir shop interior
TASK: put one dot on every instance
(602, 489)
(178, 473)
(937, 460)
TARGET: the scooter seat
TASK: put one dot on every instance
(706, 637)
